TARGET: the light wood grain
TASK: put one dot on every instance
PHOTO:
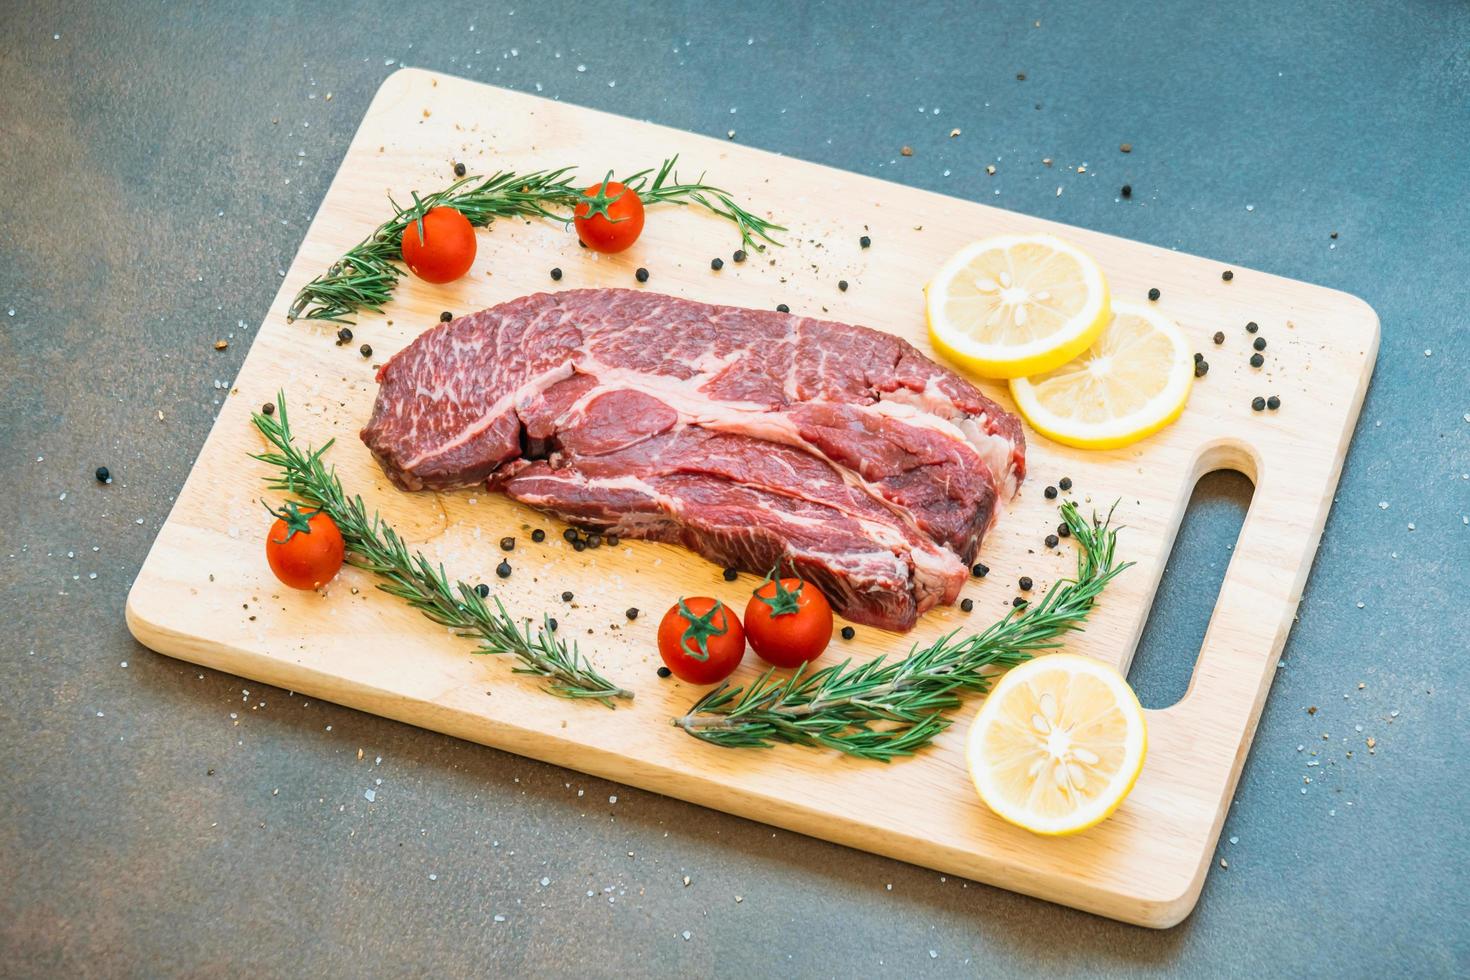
(205, 594)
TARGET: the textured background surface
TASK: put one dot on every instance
(160, 164)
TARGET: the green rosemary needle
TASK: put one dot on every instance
(373, 545)
(366, 276)
(887, 709)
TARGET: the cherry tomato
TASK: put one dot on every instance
(788, 622)
(701, 640)
(611, 219)
(304, 549)
(446, 250)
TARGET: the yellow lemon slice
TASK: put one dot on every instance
(1015, 305)
(1058, 744)
(1132, 381)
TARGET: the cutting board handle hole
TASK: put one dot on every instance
(1168, 649)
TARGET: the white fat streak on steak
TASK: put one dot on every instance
(913, 459)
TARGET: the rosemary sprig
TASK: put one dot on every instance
(366, 276)
(884, 710)
(373, 545)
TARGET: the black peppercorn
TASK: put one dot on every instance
(1198, 357)
(1257, 360)
(1273, 403)
(594, 541)
(1260, 343)
(503, 569)
(1018, 602)
(631, 612)
(579, 545)
(1065, 483)
(665, 672)
(842, 285)
(538, 535)
(731, 574)
(366, 350)
(1258, 404)
(848, 632)
(1153, 294)
(641, 275)
(566, 597)
(980, 571)
(1052, 540)
(507, 544)
(1025, 583)
(445, 317)
(570, 534)
(1127, 190)
(1227, 275)
(1219, 337)
(717, 263)
(1252, 327)
(459, 170)
(966, 604)
(269, 408)
(344, 335)
(782, 308)
(552, 624)
(739, 255)
(1201, 368)
(103, 475)
(865, 241)
(1050, 493)
(1063, 530)
(556, 274)
(482, 590)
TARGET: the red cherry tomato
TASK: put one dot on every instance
(304, 550)
(701, 640)
(446, 250)
(611, 219)
(788, 622)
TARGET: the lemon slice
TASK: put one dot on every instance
(1015, 305)
(1058, 744)
(1132, 381)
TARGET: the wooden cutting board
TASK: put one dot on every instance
(205, 594)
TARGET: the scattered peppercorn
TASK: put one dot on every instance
(1258, 404)
(366, 350)
(1052, 540)
(579, 545)
(731, 574)
(552, 624)
(570, 534)
(594, 541)
(717, 263)
(980, 570)
(665, 672)
(1260, 343)
(482, 590)
(1198, 357)
(103, 474)
(631, 612)
(445, 317)
(344, 335)
(865, 241)
(1153, 294)
(1018, 602)
(1333, 235)
(739, 255)
(1020, 76)
(1252, 327)
(1201, 368)
(538, 535)
(269, 408)
(1227, 275)
(848, 632)
(566, 597)
(1050, 493)
(842, 285)
(1063, 530)
(966, 604)
(641, 275)
(1257, 360)
(459, 170)
(1065, 483)
(556, 274)
(1219, 337)
(1025, 583)
(1127, 190)
(503, 569)
(782, 308)
(1273, 403)
(507, 544)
